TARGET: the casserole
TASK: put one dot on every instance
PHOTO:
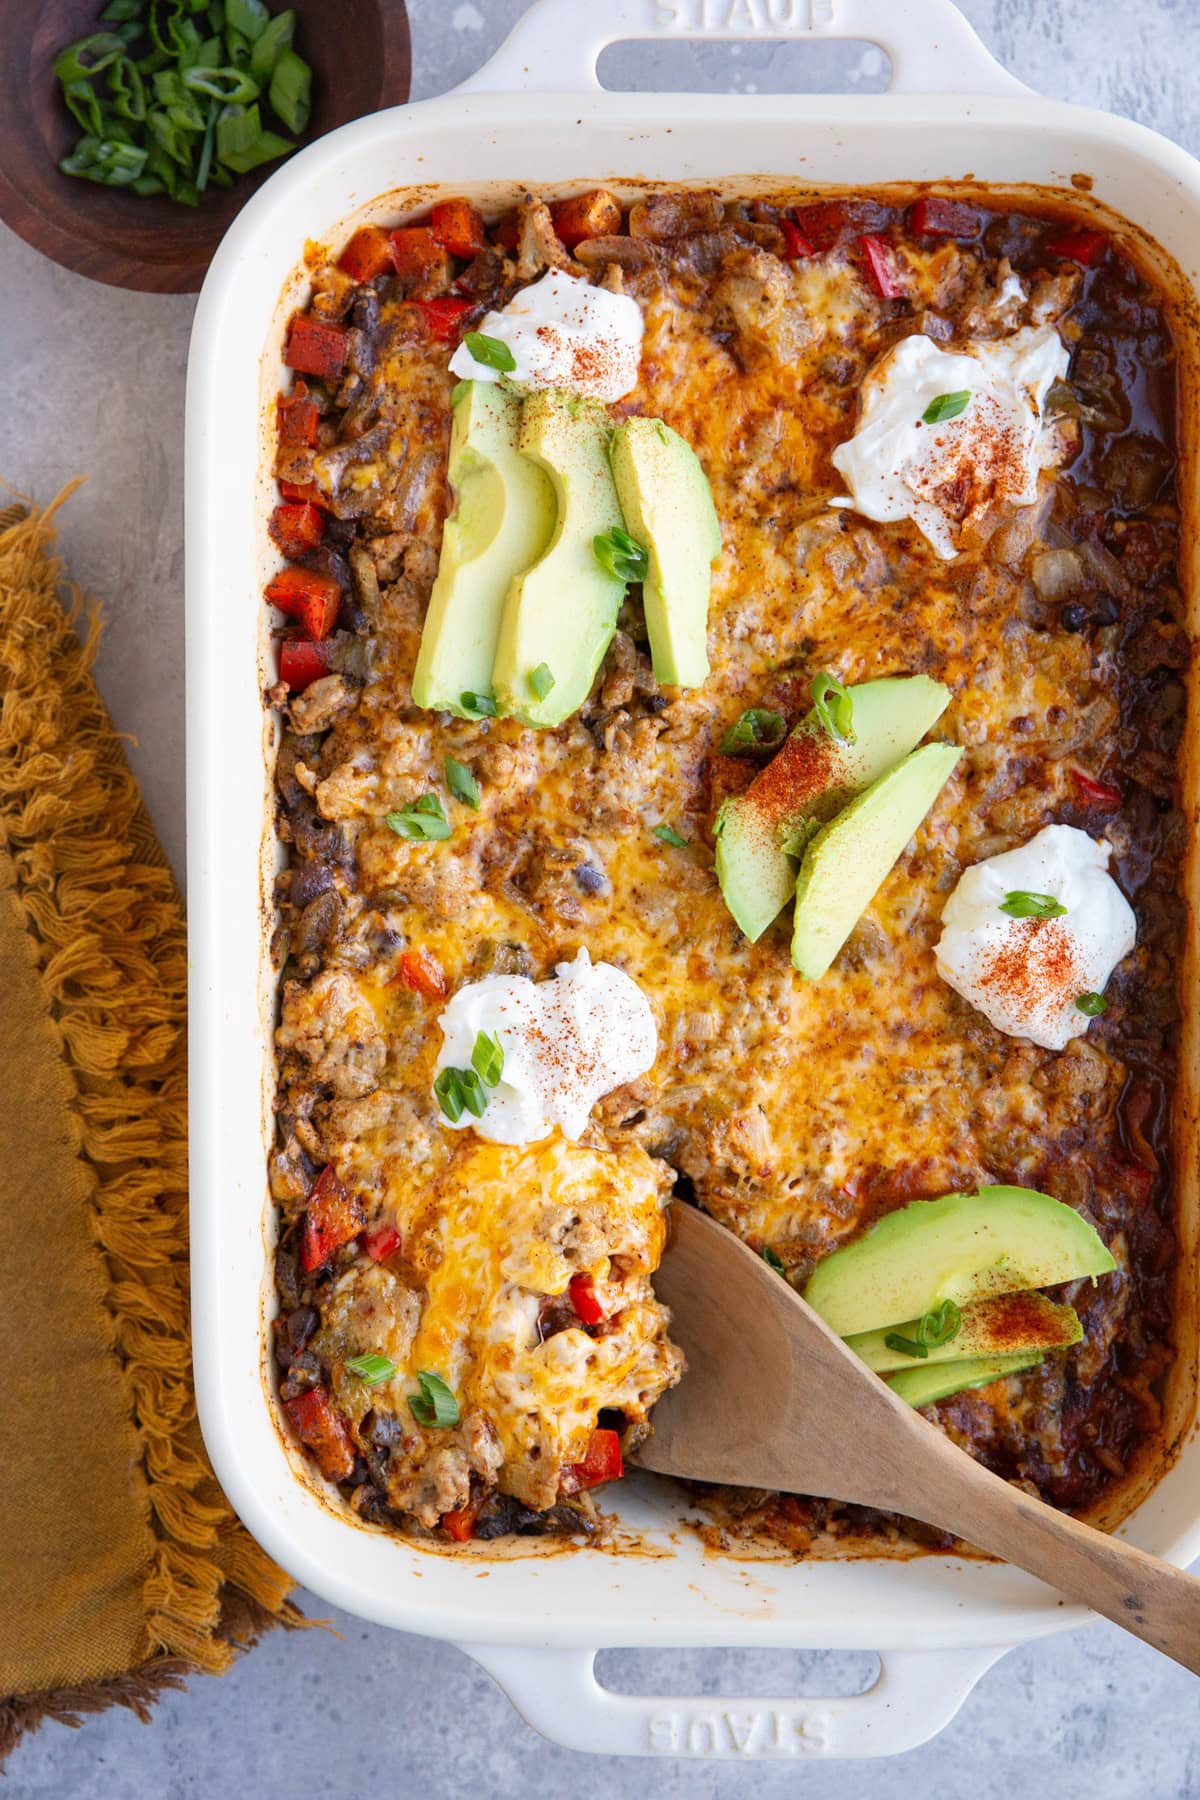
(926, 1612)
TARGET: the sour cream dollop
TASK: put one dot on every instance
(943, 475)
(566, 1043)
(564, 333)
(1025, 975)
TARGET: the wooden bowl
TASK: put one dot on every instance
(361, 59)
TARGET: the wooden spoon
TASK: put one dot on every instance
(773, 1398)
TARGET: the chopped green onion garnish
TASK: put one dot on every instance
(448, 1088)
(474, 1094)
(933, 1329)
(940, 1327)
(487, 1058)
(669, 835)
(1020, 905)
(541, 681)
(946, 406)
(435, 1404)
(461, 782)
(834, 706)
(772, 1261)
(371, 1369)
(423, 819)
(1092, 1004)
(482, 705)
(621, 555)
(492, 352)
(756, 729)
(178, 98)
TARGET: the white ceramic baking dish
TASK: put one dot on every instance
(536, 115)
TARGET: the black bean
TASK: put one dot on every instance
(589, 880)
(302, 1321)
(1073, 616)
(1105, 609)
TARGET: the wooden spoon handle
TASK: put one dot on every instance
(1150, 1598)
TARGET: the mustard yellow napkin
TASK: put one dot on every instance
(124, 1567)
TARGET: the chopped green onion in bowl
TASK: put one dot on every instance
(170, 97)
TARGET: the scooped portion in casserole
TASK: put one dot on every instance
(731, 673)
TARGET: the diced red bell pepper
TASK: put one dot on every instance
(307, 491)
(824, 223)
(443, 316)
(931, 217)
(506, 231)
(1086, 247)
(460, 1524)
(416, 252)
(458, 227)
(795, 244)
(368, 254)
(297, 527)
(1133, 1178)
(592, 215)
(422, 972)
(309, 597)
(601, 1462)
(585, 1300)
(301, 662)
(1097, 793)
(333, 1216)
(317, 347)
(879, 261)
(382, 1242)
(323, 1431)
(298, 416)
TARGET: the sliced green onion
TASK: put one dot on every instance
(482, 705)
(242, 144)
(940, 1327)
(473, 1092)
(756, 729)
(371, 1369)
(87, 56)
(424, 819)
(487, 1058)
(120, 12)
(250, 17)
(461, 782)
(906, 1346)
(621, 555)
(669, 835)
(435, 1404)
(227, 85)
(448, 1089)
(290, 92)
(270, 45)
(127, 90)
(1092, 1004)
(772, 1261)
(85, 108)
(834, 706)
(541, 681)
(946, 406)
(111, 164)
(1020, 905)
(492, 352)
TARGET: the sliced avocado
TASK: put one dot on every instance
(846, 863)
(504, 511)
(560, 615)
(668, 507)
(1010, 1325)
(922, 1386)
(808, 780)
(963, 1247)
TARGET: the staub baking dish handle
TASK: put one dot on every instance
(916, 1695)
(555, 46)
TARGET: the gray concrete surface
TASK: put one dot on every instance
(93, 381)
